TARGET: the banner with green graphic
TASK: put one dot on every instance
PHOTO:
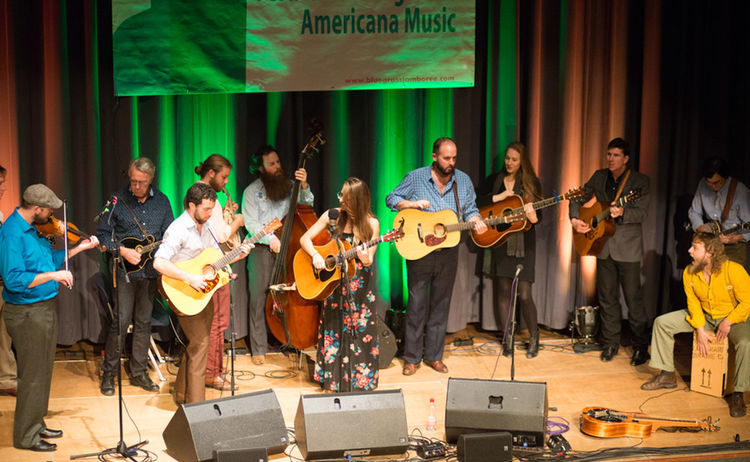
(233, 46)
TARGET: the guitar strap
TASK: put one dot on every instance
(730, 198)
(135, 219)
(455, 194)
(622, 185)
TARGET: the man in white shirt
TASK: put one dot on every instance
(185, 239)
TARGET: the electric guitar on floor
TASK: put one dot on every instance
(597, 216)
(603, 422)
(507, 216)
(313, 284)
(212, 265)
(145, 247)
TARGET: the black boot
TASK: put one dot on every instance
(533, 348)
(507, 349)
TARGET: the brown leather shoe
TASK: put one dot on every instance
(662, 380)
(218, 383)
(410, 368)
(438, 366)
(737, 406)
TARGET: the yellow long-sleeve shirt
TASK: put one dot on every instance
(727, 295)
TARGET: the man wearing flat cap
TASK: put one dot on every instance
(29, 267)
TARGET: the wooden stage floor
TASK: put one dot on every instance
(574, 381)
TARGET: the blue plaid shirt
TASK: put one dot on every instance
(418, 184)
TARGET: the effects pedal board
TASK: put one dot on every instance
(432, 451)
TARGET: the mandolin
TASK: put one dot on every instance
(609, 423)
(315, 284)
(145, 247)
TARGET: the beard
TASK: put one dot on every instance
(698, 266)
(447, 171)
(214, 183)
(278, 186)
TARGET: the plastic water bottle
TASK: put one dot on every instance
(431, 419)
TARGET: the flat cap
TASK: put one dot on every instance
(39, 194)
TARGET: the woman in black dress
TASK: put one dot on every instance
(347, 357)
(516, 178)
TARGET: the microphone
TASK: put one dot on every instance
(104, 210)
(519, 268)
(333, 215)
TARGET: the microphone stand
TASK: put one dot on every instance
(512, 330)
(122, 449)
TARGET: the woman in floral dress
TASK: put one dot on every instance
(347, 356)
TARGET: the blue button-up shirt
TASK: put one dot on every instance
(418, 184)
(258, 210)
(23, 255)
(154, 215)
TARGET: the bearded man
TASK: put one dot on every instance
(263, 200)
(716, 310)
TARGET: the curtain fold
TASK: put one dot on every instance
(564, 77)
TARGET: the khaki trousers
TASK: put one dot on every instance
(667, 325)
(191, 378)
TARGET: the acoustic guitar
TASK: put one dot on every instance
(212, 265)
(313, 284)
(597, 216)
(425, 232)
(507, 216)
(609, 423)
(145, 247)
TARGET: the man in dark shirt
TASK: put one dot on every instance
(618, 264)
(141, 213)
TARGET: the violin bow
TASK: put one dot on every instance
(65, 235)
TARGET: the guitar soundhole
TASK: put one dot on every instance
(440, 229)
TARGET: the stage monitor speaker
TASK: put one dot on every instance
(351, 424)
(387, 346)
(241, 455)
(479, 406)
(249, 421)
(485, 447)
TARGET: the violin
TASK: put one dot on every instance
(54, 227)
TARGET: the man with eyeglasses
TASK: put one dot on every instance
(139, 214)
(721, 203)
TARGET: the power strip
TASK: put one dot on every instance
(463, 341)
(432, 451)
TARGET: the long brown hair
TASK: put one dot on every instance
(356, 208)
(214, 162)
(715, 247)
(529, 180)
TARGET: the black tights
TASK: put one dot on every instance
(525, 303)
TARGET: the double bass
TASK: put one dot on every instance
(290, 318)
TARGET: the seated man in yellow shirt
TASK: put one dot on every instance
(718, 298)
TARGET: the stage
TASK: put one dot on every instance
(574, 381)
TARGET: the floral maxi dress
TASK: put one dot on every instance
(357, 329)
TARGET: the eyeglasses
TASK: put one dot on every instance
(139, 182)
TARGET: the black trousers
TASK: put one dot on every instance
(430, 280)
(259, 271)
(33, 328)
(135, 302)
(610, 276)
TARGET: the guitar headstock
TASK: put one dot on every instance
(393, 235)
(573, 194)
(709, 424)
(272, 226)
